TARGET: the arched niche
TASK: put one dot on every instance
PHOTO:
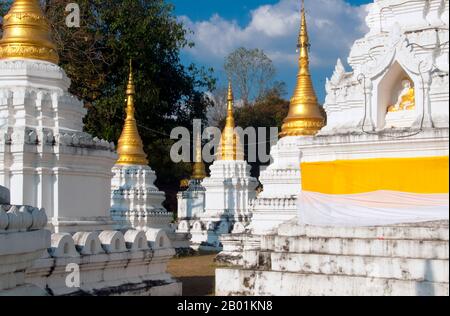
(389, 89)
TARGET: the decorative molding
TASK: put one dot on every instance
(19, 218)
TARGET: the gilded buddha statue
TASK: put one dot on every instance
(406, 98)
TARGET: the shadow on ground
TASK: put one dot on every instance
(197, 273)
(197, 286)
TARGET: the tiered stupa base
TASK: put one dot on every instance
(228, 191)
(137, 203)
(304, 260)
(23, 240)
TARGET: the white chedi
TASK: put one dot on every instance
(191, 203)
(228, 191)
(45, 157)
(230, 187)
(135, 200)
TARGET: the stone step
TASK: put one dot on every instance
(376, 267)
(438, 230)
(426, 249)
(276, 283)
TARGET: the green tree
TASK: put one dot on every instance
(3, 10)
(95, 57)
(269, 111)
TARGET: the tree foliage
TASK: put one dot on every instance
(269, 111)
(4, 5)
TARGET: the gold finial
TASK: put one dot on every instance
(130, 147)
(230, 101)
(305, 117)
(184, 184)
(27, 33)
(198, 170)
(230, 96)
(230, 145)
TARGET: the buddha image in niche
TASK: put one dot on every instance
(406, 98)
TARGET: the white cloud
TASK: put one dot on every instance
(333, 27)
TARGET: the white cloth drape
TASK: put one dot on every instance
(371, 209)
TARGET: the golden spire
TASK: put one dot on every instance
(230, 148)
(230, 104)
(130, 147)
(304, 117)
(27, 33)
(198, 170)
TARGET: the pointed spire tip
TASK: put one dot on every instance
(130, 85)
(130, 147)
(230, 96)
(304, 117)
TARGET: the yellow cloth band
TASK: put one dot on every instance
(413, 175)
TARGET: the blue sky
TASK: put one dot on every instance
(220, 26)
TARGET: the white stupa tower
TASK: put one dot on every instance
(191, 202)
(46, 159)
(229, 188)
(135, 200)
(281, 179)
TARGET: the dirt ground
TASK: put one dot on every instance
(196, 273)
